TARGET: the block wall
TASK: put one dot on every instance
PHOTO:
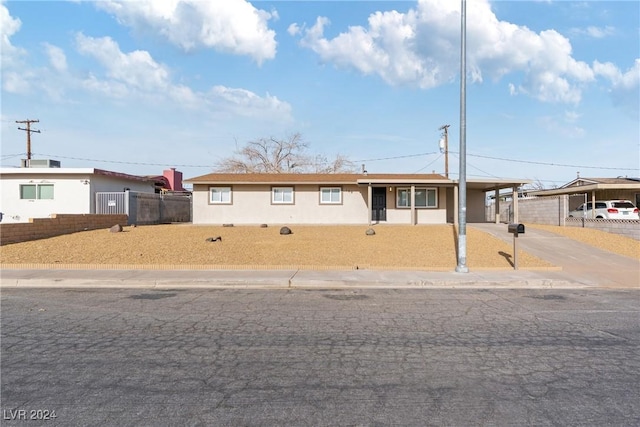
(56, 225)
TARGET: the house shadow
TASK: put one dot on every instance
(507, 257)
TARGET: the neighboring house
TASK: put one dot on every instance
(592, 189)
(282, 198)
(38, 192)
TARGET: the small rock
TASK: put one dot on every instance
(370, 232)
(227, 225)
(263, 225)
(116, 228)
(285, 231)
(214, 239)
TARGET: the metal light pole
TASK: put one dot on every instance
(462, 185)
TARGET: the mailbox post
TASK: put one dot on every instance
(515, 229)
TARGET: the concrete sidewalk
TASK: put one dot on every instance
(582, 266)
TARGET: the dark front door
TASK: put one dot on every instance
(379, 204)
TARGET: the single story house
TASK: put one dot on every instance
(301, 198)
(592, 189)
(38, 192)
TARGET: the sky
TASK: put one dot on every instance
(552, 87)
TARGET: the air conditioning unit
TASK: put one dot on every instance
(40, 163)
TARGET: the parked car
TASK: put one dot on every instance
(608, 209)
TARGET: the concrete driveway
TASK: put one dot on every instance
(579, 262)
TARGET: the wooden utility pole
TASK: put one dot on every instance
(29, 131)
(446, 149)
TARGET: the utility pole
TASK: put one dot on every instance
(29, 131)
(445, 140)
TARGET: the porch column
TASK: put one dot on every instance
(455, 206)
(514, 204)
(413, 205)
(369, 198)
(497, 205)
(593, 204)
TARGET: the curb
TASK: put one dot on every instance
(306, 284)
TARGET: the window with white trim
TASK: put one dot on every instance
(36, 191)
(330, 195)
(282, 195)
(424, 197)
(220, 195)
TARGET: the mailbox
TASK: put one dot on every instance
(516, 229)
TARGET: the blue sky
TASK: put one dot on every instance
(140, 86)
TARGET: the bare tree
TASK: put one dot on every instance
(539, 185)
(271, 155)
(340, 164)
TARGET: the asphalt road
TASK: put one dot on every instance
(141, 357)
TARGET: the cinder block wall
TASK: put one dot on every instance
(58, 224)
(547, 210)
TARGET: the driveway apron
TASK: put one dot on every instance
(580, 262)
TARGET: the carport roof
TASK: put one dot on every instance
(583, 185)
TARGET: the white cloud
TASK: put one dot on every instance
(57, 58)
(625, 87)
(8, 27)
(11, 57)
(138, 74)
(421, 47)
(14, 82)
(136, 69)
(246, 103)
(231, 26)
(566, 126)
(594, 32)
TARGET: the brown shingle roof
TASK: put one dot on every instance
(303, 178)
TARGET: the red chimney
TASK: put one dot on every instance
(175, 179)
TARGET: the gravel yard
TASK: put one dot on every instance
(424, 247)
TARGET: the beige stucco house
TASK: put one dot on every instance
(299, 198)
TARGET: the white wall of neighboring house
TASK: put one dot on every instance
(73, 191)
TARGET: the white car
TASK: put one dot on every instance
(609, 209)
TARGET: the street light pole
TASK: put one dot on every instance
(462, 185)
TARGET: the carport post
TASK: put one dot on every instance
(497, 205)
(369, 198)
(514, 198)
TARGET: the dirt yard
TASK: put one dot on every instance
(252, 247)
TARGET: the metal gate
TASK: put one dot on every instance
(112, 203)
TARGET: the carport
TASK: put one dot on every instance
(477, 190)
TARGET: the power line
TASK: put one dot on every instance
(363, 160)
(125, 163)
(396, 157)
(550, 164)
(429, 164)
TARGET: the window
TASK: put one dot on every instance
(282, 195)
(424, 198)
(330, 195)
(36, 191)
(220, 195)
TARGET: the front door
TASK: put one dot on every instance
(379, 204)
